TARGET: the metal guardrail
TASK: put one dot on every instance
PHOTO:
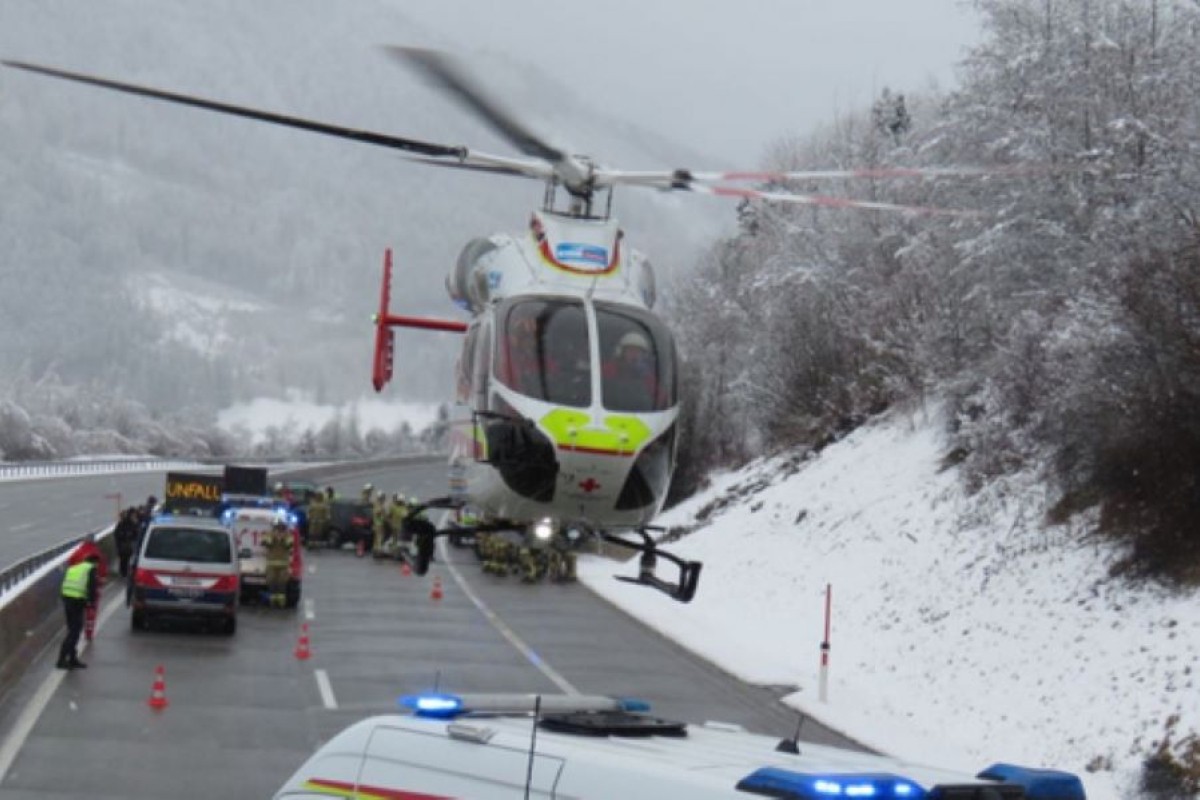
(12, 576)
(57, 469)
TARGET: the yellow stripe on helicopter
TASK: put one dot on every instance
(573, 430)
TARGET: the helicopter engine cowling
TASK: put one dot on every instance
(468, 284)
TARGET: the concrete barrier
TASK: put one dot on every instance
(33, 618)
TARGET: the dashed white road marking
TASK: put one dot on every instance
(505, 631)
(325, 689)
(308, 608)
(24, 526)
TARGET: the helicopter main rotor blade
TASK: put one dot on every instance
(829, 202)
(369, 137)
(439, 70)
(480, 162)
(684, 179)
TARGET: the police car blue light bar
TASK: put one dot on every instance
(774, 782)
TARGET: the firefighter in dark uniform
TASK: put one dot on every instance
(80, 588)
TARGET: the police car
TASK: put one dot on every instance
(488, 746)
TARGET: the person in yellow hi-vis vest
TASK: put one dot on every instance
(80, 587)
(278, 546)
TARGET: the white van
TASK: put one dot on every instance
(186, 568)
(249, 525)
(601, 747)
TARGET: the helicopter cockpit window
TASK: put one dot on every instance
(544, 351)
(637, 360)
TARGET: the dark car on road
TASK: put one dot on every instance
(349, 523)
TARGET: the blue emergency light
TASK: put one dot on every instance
(1039, 784)
(775, 782)
(434, 706)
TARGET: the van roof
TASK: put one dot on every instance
(488, 756)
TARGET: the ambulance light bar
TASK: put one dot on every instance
(448, 706)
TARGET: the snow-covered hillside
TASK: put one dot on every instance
(963, 631)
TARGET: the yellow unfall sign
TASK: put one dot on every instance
(192, 490)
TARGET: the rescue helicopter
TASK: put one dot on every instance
(567, 398)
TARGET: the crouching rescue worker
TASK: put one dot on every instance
(278, 546)
(560, 560)
(80, 588)
(533, 558)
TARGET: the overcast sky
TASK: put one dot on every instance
(728, 76)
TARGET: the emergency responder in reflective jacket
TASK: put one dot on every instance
(560, 559)
(278, 546)
(396, 514)
(533, 558)
(379, 525)
(318, 519)
(79, 588)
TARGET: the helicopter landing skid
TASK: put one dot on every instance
(682, 590)
(424, 534)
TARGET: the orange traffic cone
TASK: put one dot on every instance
(302, 648)
(436, 593)
(158, 694)
(405, 569)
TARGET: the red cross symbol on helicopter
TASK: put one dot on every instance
(590, 485)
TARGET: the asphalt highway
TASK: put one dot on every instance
(244, 712)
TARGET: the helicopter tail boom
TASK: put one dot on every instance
(385, 347)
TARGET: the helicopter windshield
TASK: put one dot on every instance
(544, 351)
(637, 360)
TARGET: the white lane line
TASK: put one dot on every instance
(81, 513)
(308, 608)
(505, 631)
(24, 526)
(15, 739)
(325, 689)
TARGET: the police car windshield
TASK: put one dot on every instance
(189, 544)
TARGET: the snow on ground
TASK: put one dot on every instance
(963, 632)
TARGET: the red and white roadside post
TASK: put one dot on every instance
(823, 683)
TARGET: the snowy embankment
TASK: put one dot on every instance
(964, 632)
